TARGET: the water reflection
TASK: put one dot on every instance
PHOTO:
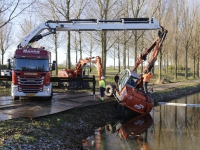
(124, 134)
(177, 126)
(174, 127)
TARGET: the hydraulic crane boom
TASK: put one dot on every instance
(89, 25)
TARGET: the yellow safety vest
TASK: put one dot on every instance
(102, 84)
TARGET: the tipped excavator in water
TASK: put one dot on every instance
(129, 91)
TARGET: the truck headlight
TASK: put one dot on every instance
(46, 89)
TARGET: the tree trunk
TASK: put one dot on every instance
(104, 53)
(159, 67)
(118, 56)
(56, 52)
(186, 61)
(176, 63)
(68, 41)
(197, 67)
(80, 46)
(167, 63)
(124, 53)
(114, 59)
(128, 58)
(194, 65)
(2, 58)
(135, 42)
(68, 52)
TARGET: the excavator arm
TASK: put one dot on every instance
(88, 25)
(77, 71)
(155, 47)
(99, 67)
(80, 64)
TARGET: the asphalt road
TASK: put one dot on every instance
(34, 107)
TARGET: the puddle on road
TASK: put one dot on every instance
(36, 107)
(168, 127)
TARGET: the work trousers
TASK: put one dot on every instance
(145, 87)
(102, 91)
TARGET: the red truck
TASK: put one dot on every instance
(31, 73)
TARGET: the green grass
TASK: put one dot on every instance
(110, 73)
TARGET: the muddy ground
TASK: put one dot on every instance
(66, 130)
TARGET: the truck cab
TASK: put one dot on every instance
(31, 72)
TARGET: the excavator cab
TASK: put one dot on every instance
(127, 77)
(86, 70)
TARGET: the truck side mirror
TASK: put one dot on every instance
(8, 64)
(53, 67)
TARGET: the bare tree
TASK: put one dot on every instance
(9, 10)
(138, 8)
(64, 8)
(186, 27)
(100, 9)
(194, 51)
(176, 37)
(54, 41)
(5, 40)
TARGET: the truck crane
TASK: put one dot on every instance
(129, 90)
(30, 78)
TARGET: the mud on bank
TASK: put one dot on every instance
(176, 92)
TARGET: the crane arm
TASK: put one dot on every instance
(155, 46)
(89, 25)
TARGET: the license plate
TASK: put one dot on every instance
(30, 95)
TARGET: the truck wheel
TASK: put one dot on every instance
(109, 90)
(109, 128)
(15, 98)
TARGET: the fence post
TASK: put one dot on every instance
(94, 85)
(6, 84)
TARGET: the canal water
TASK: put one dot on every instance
(170, 126)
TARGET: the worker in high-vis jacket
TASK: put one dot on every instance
(102, 87)
(146, 79)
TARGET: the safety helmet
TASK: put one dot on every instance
(102, 78)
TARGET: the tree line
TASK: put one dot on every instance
(180, 18)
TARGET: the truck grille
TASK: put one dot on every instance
(30, 84)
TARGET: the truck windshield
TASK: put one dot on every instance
(31, 64)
